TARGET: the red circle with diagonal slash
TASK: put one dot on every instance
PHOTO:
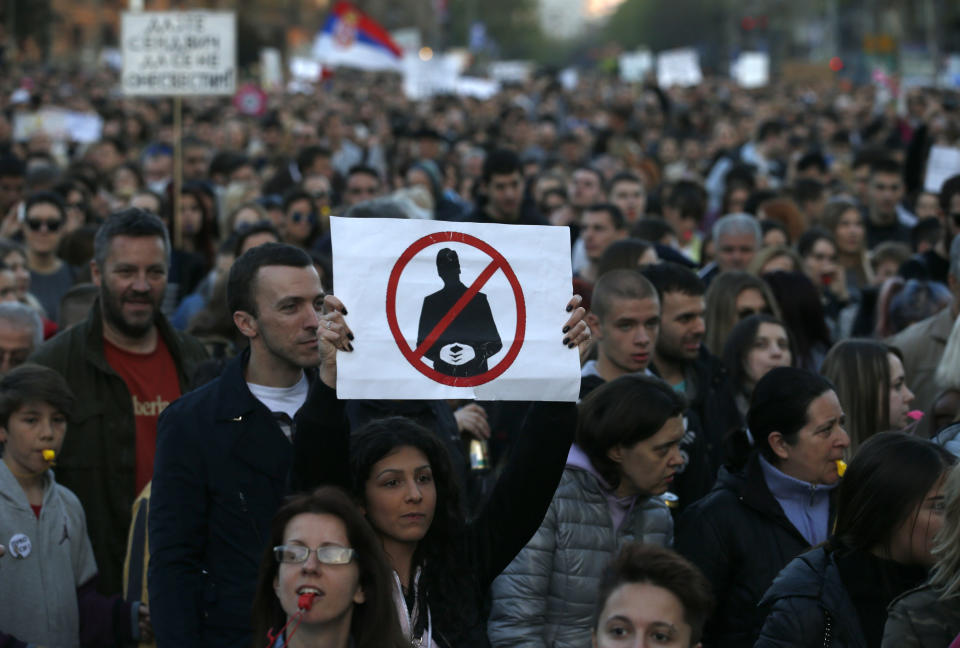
(410, 354)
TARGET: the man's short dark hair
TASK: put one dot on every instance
(226, 162)
(886, 165)
(664, 568)
(624, 176)
(770, 128)
(652, 229)
(949, 189)
(363, 169)
(619, 284)
(596, 172)
(30, 383)
(669, 277)
(45, 198)
(614, 212)
(779, 404)
(245, 232)
(866, 157)
(242, 282)
(131, 221)
(501, 162)
(309, 154)
(812, 160)
(687, 197)
(624, 412)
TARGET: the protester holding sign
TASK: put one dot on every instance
(402, 476)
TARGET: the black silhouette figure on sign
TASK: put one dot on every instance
(463, 347)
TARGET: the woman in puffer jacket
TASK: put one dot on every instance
(930, 614)
(889, 507)
(626, 453)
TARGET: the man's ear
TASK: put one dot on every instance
(3, 434)
(779, 445)
(594, 323)
(246, 323)
(95, 276)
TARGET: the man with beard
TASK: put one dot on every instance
(681, 359)
(125, 363)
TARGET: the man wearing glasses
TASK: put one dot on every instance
(50, 278)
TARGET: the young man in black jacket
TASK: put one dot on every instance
(684, 363)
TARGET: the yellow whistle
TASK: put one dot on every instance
(841, 467)
(49, 455)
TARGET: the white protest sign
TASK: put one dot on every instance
(454, 310)
(751, 69)
(511, 71)
(305, 69)
(61, 125)
(271, 68)
(477, 88)
(635, 65)
(179, 53)
(679, 67)
(942, 163)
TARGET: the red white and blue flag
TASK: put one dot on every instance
(353, 39)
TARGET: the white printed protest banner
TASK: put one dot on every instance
(454, 310)
(679, 67)
(942, 163)
(179, 53)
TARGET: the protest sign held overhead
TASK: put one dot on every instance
(179, 53)
(454, 310)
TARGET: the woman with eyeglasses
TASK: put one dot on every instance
(889, 507)
(324, 580)
(732, 297)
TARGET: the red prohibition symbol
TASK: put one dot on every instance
(497, 262)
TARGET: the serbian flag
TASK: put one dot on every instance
(353, 39)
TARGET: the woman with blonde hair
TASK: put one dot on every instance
(773, 258)
(734, 296)
(929, 615)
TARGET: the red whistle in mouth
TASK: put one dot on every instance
(305, 602)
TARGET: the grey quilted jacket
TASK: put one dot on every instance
(546, 596)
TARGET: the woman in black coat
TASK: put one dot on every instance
(889, 507)
(401, 475)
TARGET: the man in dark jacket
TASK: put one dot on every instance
(680, 358)
(224, 451)
(125, 364)
(753, 523)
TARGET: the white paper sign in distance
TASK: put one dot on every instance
(634, 66)
(179, 53)
(679, 67)
(489, 328)
(751, 69)
(942, 163)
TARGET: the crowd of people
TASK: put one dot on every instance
(765, 309)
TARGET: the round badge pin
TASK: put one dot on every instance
(20, 546)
